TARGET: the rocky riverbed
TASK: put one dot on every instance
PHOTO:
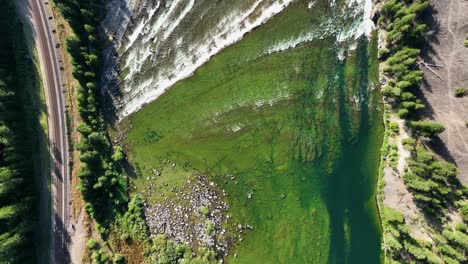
(195, 214)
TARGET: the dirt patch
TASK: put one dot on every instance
(132, 250)
(396, 194)
(79, 235)
(63, 30)
(82, 231)
(447, 61)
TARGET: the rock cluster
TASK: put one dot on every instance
(195, 217)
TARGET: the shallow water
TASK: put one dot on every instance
(299, 127)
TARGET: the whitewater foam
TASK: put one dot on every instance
(157, 54)
(229, 30)
(139, 29)
(363, 24)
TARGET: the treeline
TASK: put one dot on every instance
(101, 183)
(449, 247)
(18, 214)
(437, 191)
(432, 182)
(404, 38)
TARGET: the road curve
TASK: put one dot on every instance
(53, 86)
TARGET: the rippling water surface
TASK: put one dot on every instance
(282, 94)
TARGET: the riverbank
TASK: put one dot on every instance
(420, 197)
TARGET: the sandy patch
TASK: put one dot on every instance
(78, 237)
(396, 194)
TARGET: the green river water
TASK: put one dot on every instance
(300, 129)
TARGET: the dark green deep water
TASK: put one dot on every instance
(351, 188)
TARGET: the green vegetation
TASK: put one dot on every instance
(21, 140)
(427, 128)
(433, 183)
(91, 244)
(204, 211)
(401, 21)
(133, 223)
(404, 35)
(101, 183)
(392, 155)
(166, 251)
(287, 126)
(394, 128)
(461, 91)
(400, 246)
(289, 129)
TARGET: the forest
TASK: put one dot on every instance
(101, 183)
(19, 136)
(432, 181)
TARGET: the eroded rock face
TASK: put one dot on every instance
(196, 217)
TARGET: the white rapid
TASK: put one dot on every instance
(357, 11)
(173, 38)
(164, 41)
(361, 10)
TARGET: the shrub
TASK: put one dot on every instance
(91, 244)
(402, 113)
(393, 216)
(394, 127)
(383, 52)
(210, 228)
(390, 91)
(204, 211)
(119, 258)
(464, 211)
(409, 143)
(84, 129)
(461, 91)
(119, 154)
(407, 96)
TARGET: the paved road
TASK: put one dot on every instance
(53, 84)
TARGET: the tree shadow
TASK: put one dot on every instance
(439, 147)
(129, 169)
(61, 254)
(429, 17)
